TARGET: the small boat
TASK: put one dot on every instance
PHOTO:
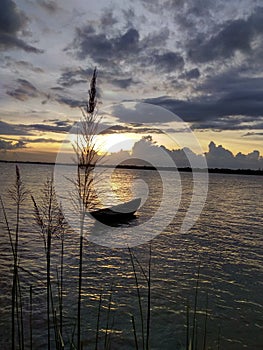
(117, 213)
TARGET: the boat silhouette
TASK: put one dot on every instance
(117, 213)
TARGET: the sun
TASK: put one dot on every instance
(112, 143)
(105, 143)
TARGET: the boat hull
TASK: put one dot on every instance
(117, 213)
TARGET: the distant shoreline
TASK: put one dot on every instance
(142, 167)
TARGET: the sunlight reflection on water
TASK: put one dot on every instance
(227, 239)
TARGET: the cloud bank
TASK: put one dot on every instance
(216, 157)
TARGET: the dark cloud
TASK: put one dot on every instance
(9, 41)
(67, 126)
(168, 61)
(129, 128)
(236, 35)
(70, 82)
(189, 15)
(232, 81)
(12, 21)
(25, 90)
(123, 83)
(142, 113)
(191, 74)
(156, 39)
(56, 126)
(113, 48)
(11, 145)
(58, 122)
(251, 133)
(13, 129)
(230, 112)
(101, 48)
(189, 110)
(128, 42)
(69, 101)
(43, 140)
(27, 65)
(57, 88)
(229, 123)
(72, 77)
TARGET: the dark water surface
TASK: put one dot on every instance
(227, 240)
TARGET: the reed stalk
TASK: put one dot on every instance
(61, 286)
(98, 325)
(149, 300)
(21, 316)
(106, 339)
(139, 299)
(195, 308)
(187, 324)
(205, 325)
(31, 317)
(218, 338)
(134, 332)
(80, 285)
(145, 337)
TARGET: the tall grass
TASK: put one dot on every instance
(18, 195)
(86, 158)
(49, 218)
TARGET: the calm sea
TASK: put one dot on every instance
(226, 242)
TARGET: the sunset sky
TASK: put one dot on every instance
(199, 59)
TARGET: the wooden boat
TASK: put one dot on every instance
(117, 213)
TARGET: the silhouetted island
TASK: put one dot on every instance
(146, 167)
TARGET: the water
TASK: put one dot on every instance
(226, 241)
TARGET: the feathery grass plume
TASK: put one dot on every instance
(49, 218)
(86, 152)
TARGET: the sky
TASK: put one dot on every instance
(199, 59)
